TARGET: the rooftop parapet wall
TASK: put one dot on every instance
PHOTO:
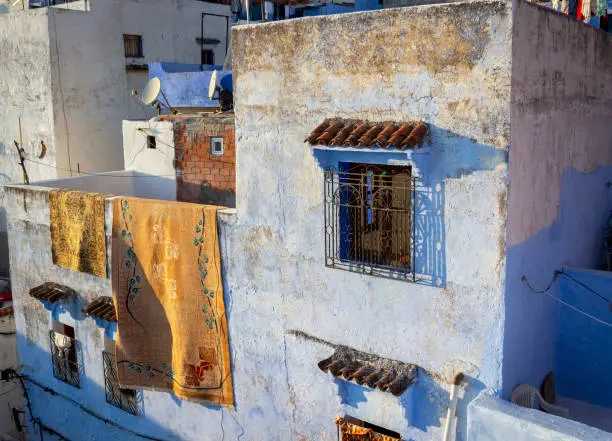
(448, 64)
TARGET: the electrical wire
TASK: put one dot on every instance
(572, 307)
(106, 175)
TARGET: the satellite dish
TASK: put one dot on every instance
(212, 86)
(151, 91)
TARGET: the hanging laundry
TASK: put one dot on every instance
(565, 7)
(579, 14)
(168, 291)
(572, 7)
(600, 8)
(604, 23)
(78, 241)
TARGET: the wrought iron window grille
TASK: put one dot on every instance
(369, 220)
(124, 399)
(64, 358)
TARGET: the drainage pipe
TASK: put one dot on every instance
(452, 407)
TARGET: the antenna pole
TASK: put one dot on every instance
(167, 102)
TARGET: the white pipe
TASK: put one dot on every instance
(248, 8)
(452, 407)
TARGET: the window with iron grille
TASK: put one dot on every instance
(64, 356)
(124, 399)
(132, 45)
(369, 227)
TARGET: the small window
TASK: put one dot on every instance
(132, 45)
(208, 56)
(124, 399)
(216, 146)
(369, 220)
(151, 143)
(64, 354)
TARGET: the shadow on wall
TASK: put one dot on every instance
(574, 239)
(582, 364)
(425, 403)
(444, 156)
(205, 193)
(77, 413)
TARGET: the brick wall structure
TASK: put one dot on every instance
(201, 176)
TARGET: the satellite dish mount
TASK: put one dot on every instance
(151, 93)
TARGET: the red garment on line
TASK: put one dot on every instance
(579, 15)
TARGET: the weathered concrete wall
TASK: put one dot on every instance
(139, 157)
(558, 200)
(448, 65)
(25, 91)
(11, 395)
(491, 419)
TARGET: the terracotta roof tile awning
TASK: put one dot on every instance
(51, 292)
(364, 134)
(102, 308)
(368, 370)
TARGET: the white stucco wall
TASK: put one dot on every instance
(448, 65)
(25, 92)
(137, 157)
(491, 419)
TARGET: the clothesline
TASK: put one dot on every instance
(584, 10)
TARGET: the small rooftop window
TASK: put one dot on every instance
(132, 45)
(216, 146)
(151, 142)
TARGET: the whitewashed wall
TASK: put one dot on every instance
(64, 72)
(138, 157)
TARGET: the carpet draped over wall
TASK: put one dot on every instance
(168, 293)
(78, 240)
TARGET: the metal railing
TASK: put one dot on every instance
(64, 358)
(369, 220)
(124, 399)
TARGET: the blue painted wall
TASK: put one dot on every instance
(186, 85)
(532, 331)
(584, 360)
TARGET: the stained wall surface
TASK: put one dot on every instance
(448, 65)
(560, 167)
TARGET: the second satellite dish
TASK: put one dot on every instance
(212, 86)
(151, 91)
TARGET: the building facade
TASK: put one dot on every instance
(68, 72)
(429, 123)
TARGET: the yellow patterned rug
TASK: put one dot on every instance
(78, 241)
(167, 288)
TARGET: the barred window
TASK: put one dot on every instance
(369, 228)
(64, 354)
(124, 399)
(132, 46)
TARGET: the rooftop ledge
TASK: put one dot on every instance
(402, 152)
